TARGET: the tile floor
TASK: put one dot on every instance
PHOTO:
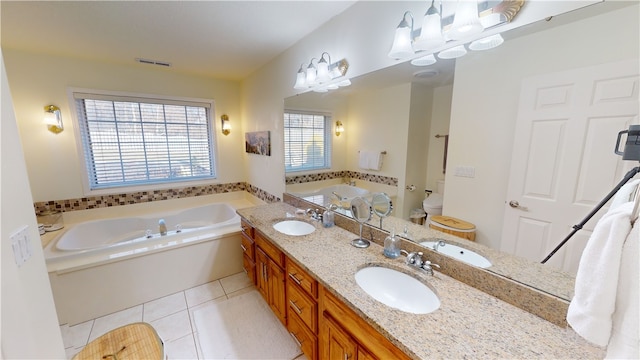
(171, 316)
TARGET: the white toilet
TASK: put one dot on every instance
(432, 205)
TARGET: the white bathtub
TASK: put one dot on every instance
(101, 266)
(326, 195)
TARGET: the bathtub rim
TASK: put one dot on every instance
(68, 261)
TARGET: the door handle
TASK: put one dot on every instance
(516, 205)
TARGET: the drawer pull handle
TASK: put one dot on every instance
(294, 278)
(295, 338)
(295, 307)
(244, 249)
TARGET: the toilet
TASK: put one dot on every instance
(432, 205)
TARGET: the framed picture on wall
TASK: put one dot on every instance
(258, 142)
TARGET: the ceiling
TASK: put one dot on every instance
(221, 39)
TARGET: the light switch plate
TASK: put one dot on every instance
(465, 171)
(21, 244)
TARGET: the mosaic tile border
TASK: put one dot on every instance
(300, 179)
(93, 202)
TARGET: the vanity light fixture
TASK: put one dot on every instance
(339, 128)
(470, 18)
(226, 126)
(323, 76)
(466, 21)
(53, 119)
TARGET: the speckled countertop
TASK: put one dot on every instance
(469, 323)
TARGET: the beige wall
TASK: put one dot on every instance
(485, 100)
(440, 119)
(53, 160)
(29, 323)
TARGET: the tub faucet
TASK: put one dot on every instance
(163, 227)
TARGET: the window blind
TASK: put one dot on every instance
(307, 141)
(129, 141)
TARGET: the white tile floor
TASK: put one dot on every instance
(171, 316)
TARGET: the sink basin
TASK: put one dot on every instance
(397, 290)
(460, 253)
(294, 227)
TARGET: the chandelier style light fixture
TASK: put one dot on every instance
(322, 76)
(471, 17)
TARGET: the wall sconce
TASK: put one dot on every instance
(53, 119)
(226, 126)
(323, 76)
(471, 17)
(339, 128)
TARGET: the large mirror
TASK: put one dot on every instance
(415, 149)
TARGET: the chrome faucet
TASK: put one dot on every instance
(315, 214)
(163, 227)
(415, 259)
(439, 243)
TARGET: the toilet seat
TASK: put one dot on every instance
(433, 203)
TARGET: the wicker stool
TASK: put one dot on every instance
(133, 341)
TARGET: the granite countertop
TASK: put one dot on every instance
(468, 324)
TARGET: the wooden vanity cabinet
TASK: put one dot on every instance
(344, 335)
(302, 308)
(248, 249)
(270, 276)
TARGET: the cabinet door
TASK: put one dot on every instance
(262, 262)
(363, 354)
(277, 299)
(336, 344)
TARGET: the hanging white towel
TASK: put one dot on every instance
(363, 159)
(625, 194)
(625, 334)
(375, 160)
(593, 304)
(370, 160)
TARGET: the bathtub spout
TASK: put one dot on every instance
(163, 227)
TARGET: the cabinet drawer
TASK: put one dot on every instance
(302, 278)
(300, 304)
(271, 250)
(246, 228)
(308, 341)
(250, 268)
(247, 246)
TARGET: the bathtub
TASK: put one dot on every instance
(325, 195)
(101, 266)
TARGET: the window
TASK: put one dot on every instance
(134, 141)
(307, 141)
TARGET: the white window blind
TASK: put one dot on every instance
(307, 141)
(134, 141)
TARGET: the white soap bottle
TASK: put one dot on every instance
(392, 246)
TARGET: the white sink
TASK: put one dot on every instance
(294, 227)
(397, 290)
(460, 253)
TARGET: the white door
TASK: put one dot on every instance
(563, 160)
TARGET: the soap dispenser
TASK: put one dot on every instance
(328, 217)
(392, 246)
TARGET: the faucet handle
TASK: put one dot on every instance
(428, 267)
(413, 258)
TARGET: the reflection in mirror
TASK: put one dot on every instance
(415, 150)
(361, 212)
(382, 206)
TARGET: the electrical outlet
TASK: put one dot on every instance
(21, 244)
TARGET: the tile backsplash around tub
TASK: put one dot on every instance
(93, 202)
(300, 179)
